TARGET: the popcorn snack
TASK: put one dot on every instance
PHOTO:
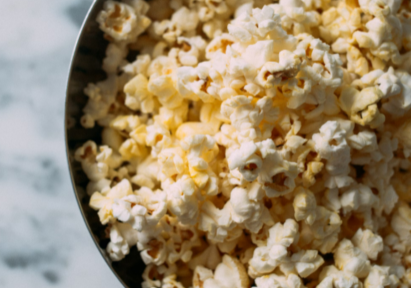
(255, 143)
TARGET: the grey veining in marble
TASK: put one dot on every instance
(43, 240)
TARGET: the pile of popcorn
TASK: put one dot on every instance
(255, 143)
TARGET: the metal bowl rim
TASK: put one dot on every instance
(73, 183)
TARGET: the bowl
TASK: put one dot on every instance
(85, 67)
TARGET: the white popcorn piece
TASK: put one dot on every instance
(122, 237)
(172, 118)
(111, 138)
(154, 202)
(362, 106)
(219, 45)
(331, 277)
(248, 209)
(102, 97)
(402, 135)
(277, 175)
(171, 162)
(171, 282)
(322, 235)
(351, 259)
(215, 222)
(191, 50)
(256, 24)
(209, 258)
(163, 87)
(366, 141)
(139, 66)
(368, 242)
(267, 258)
(182, 200)
(401, 223)
(181, 240)
(376, 35)
(229, 273)
(399, 104)
(273, 73)
(141, 210)
(305, 206)
(307, 262)
(158, 137)
(273, 280)
(200, 150)
(160, 276)
(104, 201)
(155, 252)
(87, 155)
(124, 22)
(357, 63)
(380, 277)
(115, 55)
(202, 274)
(331, 144)
(246, 161)
(138, 96)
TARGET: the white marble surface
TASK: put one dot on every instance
(43, 240)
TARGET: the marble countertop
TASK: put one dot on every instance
(43, 239)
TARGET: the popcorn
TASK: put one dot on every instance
(254, 139)
(182, 239)
(331, 277)
(104, 201)
(87, 155)
(267, 258)
(331, 145)
(273, 73)
(182, 200)
(183, 20)
(138, 96)
(368, 242)
(124, 22)
(115, 55)
(307, 262)
(380, 277)
(158, 137)
(403, 136)
(101, 97)
(201, 149)
(246, 161)
(323, 233)
(155, 252)
(273, 280)
(163, 88)
(305, 206)
(351, 259)
(229, 273)
(191, 49)
(209, 258)
(401, 222)
(139, 66)
(156, 276)
(122, 237)
(247, 208)
(249, 27)
(362, 106)
(214, 222)
(172, 118)
(399, 104)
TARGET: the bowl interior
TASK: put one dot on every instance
(85, 68)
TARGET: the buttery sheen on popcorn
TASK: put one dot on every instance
(255, 143)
